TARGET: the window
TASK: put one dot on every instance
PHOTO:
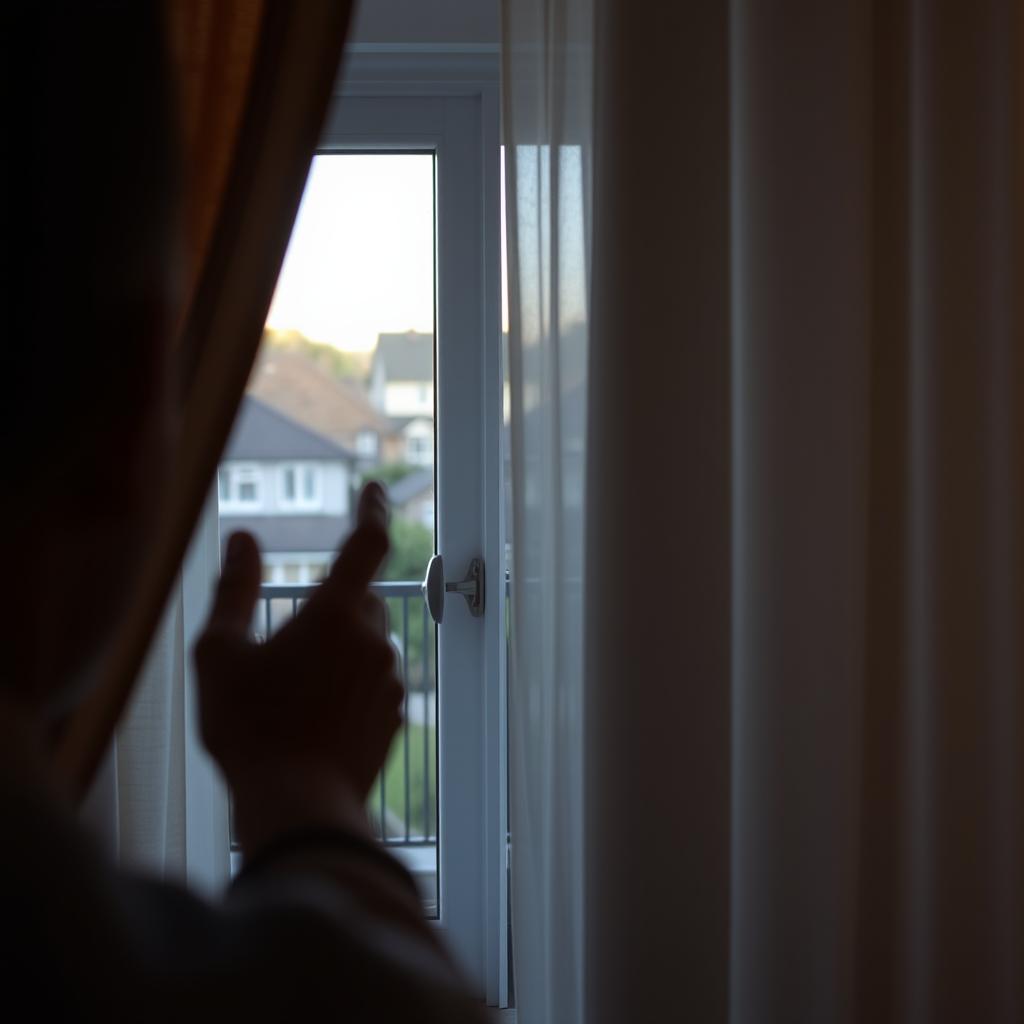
(367, 444)
(437, 114)
(419, 451)
(240, 487)
(450, 110)
(300, 486)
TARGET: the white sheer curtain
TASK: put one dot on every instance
(158, 802)
(803, 582)
(548, 148)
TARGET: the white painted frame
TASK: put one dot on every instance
(300, 503)
(238, 473)
(445, 100)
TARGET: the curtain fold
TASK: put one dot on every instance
(256, 77)
(158, 802)
(547, 173)
(801, 703)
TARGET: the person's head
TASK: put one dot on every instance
(90, 269)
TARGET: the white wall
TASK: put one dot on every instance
(401, 399)
(335, 485)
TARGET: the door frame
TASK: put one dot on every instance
(445, 100)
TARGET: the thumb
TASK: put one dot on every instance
(238, 588)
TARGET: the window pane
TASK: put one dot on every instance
(343, 391)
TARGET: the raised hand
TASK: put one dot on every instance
(301, 725)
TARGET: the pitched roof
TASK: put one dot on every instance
(289, 533)
(261, 432)
(408, 356)
(299, 387)
(411, 486)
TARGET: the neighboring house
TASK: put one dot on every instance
(417, 440)
(412, 497)
(402, 375)
(295, 384)
(402, 387)
(288, 486)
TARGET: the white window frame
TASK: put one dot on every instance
(237, 474)
(367, 444)
(300, 502)
(446, 100)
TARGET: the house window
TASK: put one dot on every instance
(367, 444)
(419, 450)
(300, 486)
(240, 487)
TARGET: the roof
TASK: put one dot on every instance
(261, 432)
(289, 533)
(299, 387)
(406, 357)
(399, 424)
(411, 486)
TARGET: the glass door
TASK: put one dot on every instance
(382, 360)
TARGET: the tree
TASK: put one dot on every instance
(388, 473)
(412, 545)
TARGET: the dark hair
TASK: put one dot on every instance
(90, 204)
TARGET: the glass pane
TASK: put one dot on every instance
(343, 390)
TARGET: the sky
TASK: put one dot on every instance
(361, 257)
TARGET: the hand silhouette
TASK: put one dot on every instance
(301, 724)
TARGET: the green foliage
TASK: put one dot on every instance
(422, 746)
(412, 544)
(347, 365)
(388, 473)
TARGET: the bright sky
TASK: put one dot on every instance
(361, 257)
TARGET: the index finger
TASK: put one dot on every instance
(363, 553)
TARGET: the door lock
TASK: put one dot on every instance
(471, 588)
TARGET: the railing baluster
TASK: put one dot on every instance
(425, 667)
(405, 709)
(416, 832)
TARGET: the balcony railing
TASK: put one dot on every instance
(403, 803)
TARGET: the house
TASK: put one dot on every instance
(412, 497)
(402, 388)
(290, 487)
(289, 380)
(402, 375)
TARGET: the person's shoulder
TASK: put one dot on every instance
(282, 947)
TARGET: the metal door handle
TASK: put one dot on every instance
(471, 588)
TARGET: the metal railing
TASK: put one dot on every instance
(403, 803)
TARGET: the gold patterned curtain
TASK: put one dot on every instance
(254, 81)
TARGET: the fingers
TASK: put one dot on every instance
(363, 552)
(375, 614)
(238, 588)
